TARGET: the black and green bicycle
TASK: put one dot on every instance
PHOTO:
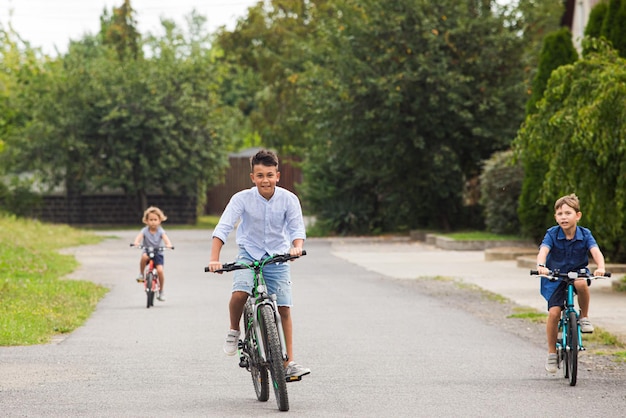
(263, 347)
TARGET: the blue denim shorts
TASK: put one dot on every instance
(277, 278)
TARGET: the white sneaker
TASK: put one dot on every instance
(293, 369)
(232, 342)
(161, 296)
(585, 325)
(551, 363)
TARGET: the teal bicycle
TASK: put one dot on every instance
(263, 347)
(570, 339)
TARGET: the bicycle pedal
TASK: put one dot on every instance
(293, 379)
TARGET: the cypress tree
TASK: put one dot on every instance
(558, 49)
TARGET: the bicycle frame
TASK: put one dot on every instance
(261, 297)
(566, 339)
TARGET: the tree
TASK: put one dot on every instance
(405, 101)
(99, 120)
(558, 49)
(613, 25)
(576, 142)
(266, 54)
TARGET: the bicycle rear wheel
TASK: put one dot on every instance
(572, 354)
(274, 355)
(258, 371)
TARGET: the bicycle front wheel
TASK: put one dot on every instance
(572, 355)
(258, 371)
(274, 354)
(149, 291)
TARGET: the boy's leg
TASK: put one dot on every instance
(285, 316)
(552, 327)
(161, 273)
(235, 308)
(142, 262)
(584, 296)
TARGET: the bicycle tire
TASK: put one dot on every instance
(572, 356)
(258, 371)
(274, 355)
(149, 291)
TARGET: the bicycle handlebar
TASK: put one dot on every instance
(141, 247)
(554, 275)
(277, 258)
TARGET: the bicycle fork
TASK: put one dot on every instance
(564, 341)
(259, 335)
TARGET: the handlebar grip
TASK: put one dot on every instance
(206, 270)
(303, 252)
(534, 272)
(607, 274)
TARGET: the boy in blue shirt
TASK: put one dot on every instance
(271, 223)
(565, 247)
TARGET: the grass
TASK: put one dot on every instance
(529, 314)
(35, 304)
(600, 342)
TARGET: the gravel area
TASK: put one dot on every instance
(497, 311)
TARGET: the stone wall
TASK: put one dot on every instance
(115, 209)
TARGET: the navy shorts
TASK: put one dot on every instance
(159, 259)
(559, 297)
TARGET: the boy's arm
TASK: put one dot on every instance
(166, 240)
(216, 248)
(598, 257)
(138, 239)
(541, 260)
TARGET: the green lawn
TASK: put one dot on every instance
(35, 304)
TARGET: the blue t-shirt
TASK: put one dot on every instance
(565, 255)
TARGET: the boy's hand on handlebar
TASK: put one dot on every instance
(295, 251)
(599, 272)
(214, 266)
(543, 271)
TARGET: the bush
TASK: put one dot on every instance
(500, 187)
(17, 198)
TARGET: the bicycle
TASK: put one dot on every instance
(150, 274)
(569, 341)
(263, 347)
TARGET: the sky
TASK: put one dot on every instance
(50, 23)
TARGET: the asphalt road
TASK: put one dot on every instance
(377, 347)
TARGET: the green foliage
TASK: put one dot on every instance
(606, 20)
(100, 121)
(557, 50)
(405, 103)
(596, 19)
(17, 197)
(614, 26)
(500, 188)
(576, 142)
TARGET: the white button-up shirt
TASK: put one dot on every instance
(267, 226)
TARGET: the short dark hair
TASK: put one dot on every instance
(264, 157)
(570, 200)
